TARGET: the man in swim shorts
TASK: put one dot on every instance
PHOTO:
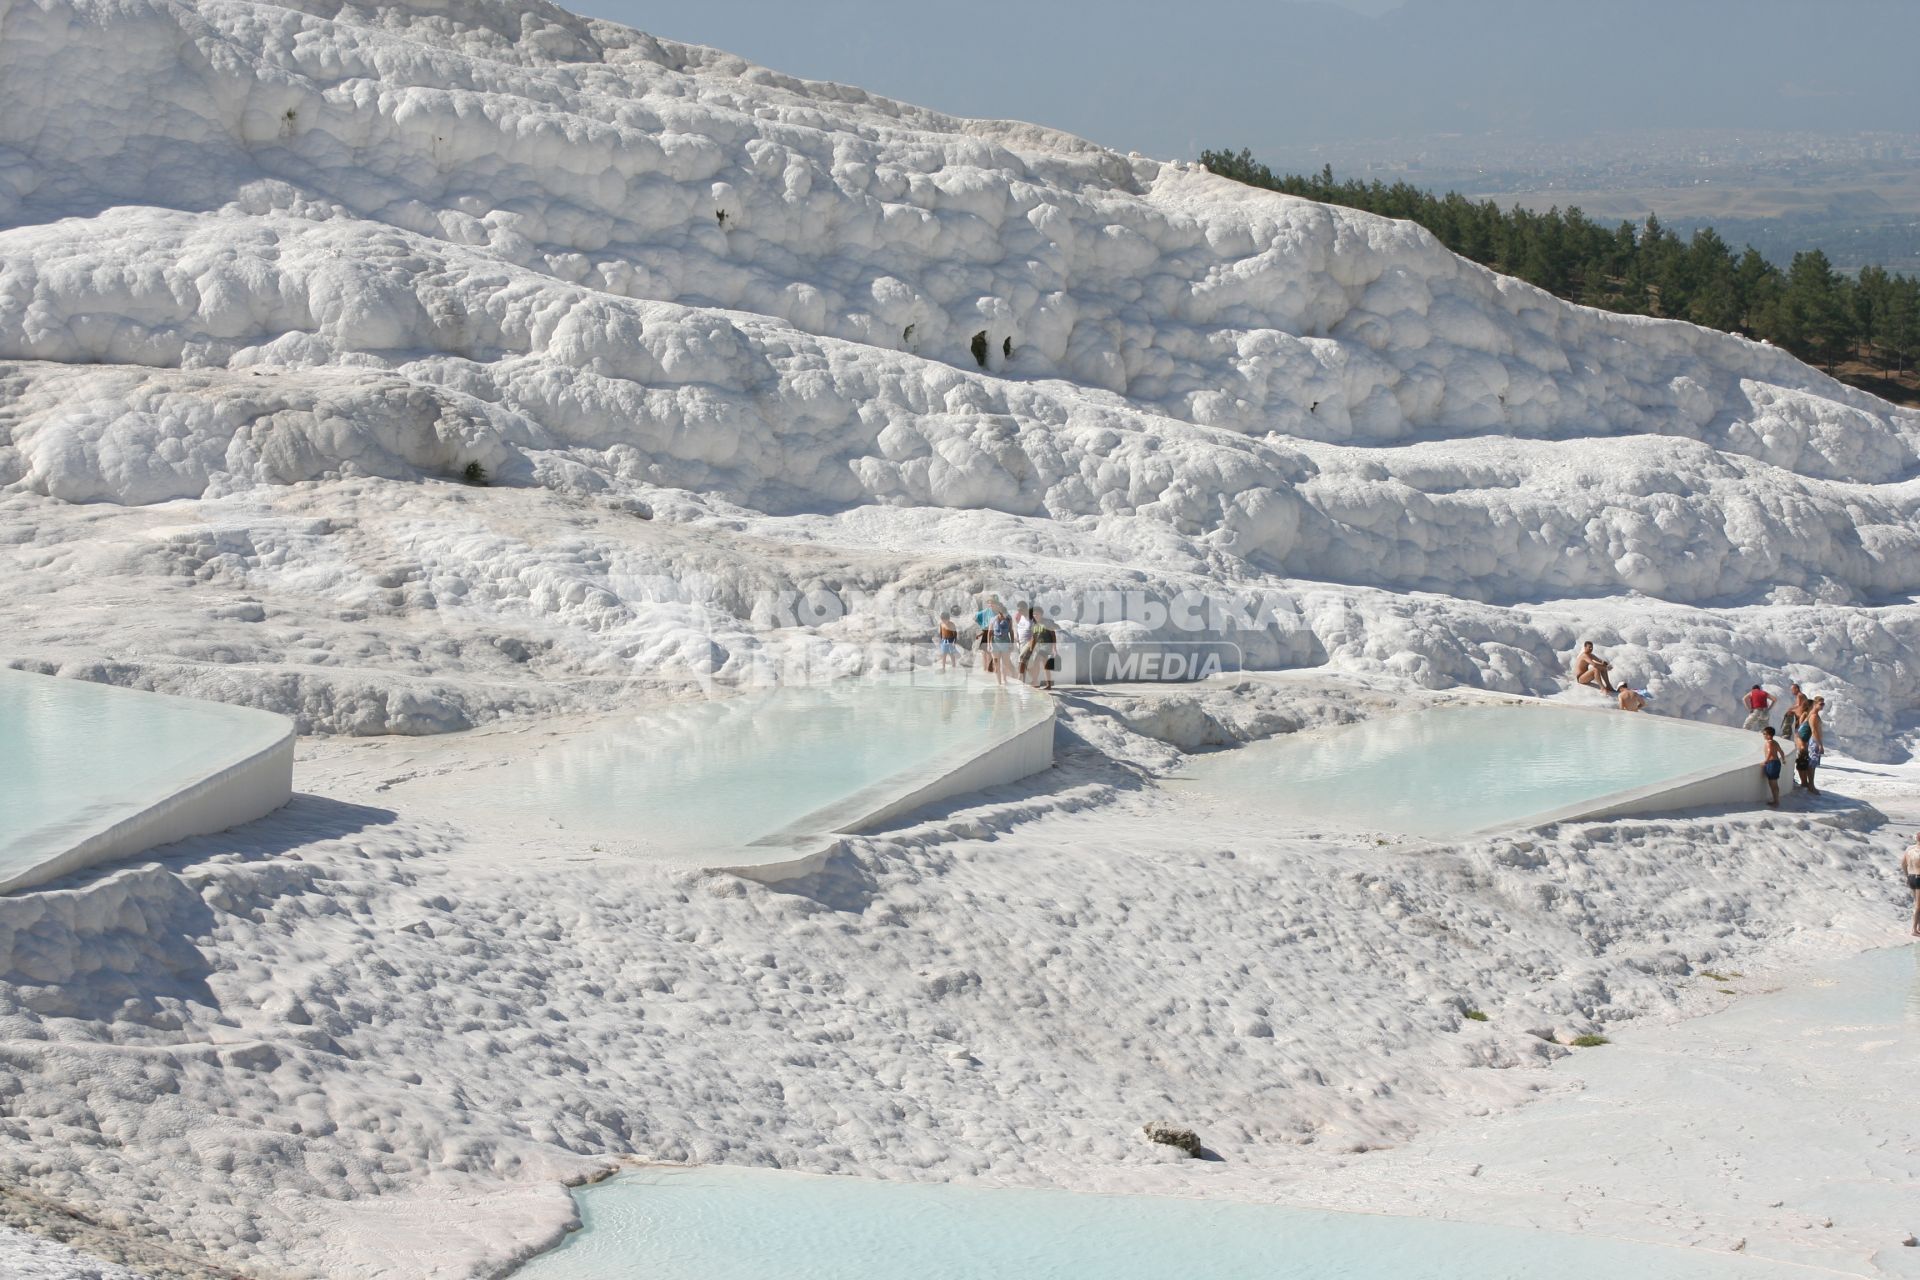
(1589, 668)
(1770, 765)
(1910, 868)
(1759, 709)
(946, 641)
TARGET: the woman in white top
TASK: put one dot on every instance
(1022, 637)
(1910, 867)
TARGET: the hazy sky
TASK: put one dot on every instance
(1170, 78)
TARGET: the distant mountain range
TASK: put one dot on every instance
(1553, 66)
(1171, 79)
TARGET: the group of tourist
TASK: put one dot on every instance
(1593, 670)
(1802, 726)
(1021, 644)
(1802, 729)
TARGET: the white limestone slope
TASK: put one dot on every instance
(271, 277)
(264, 265)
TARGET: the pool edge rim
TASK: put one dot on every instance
(243, 786)
(1032, 745)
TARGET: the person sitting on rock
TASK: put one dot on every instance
(1630, 698)
(1589, 668)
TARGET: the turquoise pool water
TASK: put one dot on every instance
(1451, 771)
(78, 757)
(1863, 1014)
(721, 1223)
(763, 769)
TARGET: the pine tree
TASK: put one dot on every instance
(1810, 309)
(1715, 304)
(1900, 327)
(1756, 282)
(1815, 307)
(1870, 296)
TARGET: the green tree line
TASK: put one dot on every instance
(1810, 309)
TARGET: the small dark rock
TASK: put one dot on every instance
(1168, 1135)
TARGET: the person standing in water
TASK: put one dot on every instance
(1770, 765)
(947, 641)
(1046, 649)
(1910, 867)
(983, 625)
(1759, 709)
(1001, 641)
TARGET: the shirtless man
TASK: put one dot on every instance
(1630, 700)
(1589, 668)
(1910, 868)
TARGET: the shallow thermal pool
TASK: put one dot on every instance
(1451, 771)
(764, 770)
(720, 1223)
(723, 1223)
(78, 757)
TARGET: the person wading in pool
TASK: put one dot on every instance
(983, 624)
(1910, 868)
(1590, 669)
(1046, 649)
(1630, 699)
(1002, 642)
(1759, 709)
(946, 641)
(1770, 766)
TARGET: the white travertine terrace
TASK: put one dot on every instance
(284, 262)
(272, 277)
